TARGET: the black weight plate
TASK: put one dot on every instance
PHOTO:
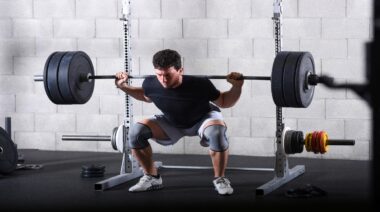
(301, 142)
(288, 82)
(288, 142)
(51, 78)
(8, 153)
(277, 77)
(91, 175)
(294, 142)
(304, 93)
(93, 167)
(75, 65)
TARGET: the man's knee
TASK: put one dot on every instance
(139, 135)
(215, 135)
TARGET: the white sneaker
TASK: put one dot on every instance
(223, 186)
(147, 183)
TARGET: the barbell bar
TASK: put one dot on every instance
(317, 142)
(69, 78)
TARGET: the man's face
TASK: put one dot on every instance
(169, 77)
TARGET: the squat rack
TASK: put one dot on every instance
(130, 168)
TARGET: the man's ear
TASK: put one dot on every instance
(180, 70)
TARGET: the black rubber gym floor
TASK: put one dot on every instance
(59, 186)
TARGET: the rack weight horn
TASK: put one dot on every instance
(69, 78)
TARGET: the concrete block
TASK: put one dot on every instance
(206, 66)
(74, 28)
(35, 140)
(183, 8)
(330, 49)
(359, 8)
(24, 122)
(290, 45)
(7, 103)
(334, 128)
(251, 67)
(235, 48)
(96, 123)
(5, 28)
(356, 48)
(261, 50)
(33, 103)
(353, 70)
(228, 8)
(54, 9)
(160, 28)
(113, 28)
(17, 47)
(188, 48)
(322, 8)
(6, 65)
(96, 9)
(91, 107)
(238, 126)
(85, 146)
(360, 129)
(109, 66)
(45, 46)
(302, 28)
(347, 109)
(146, 47)
(8, 85)
(315, 110)
(264, 9)
(250, 28)
(192, 146)
(205, 28)
(145, 8)
(55, 122)
(29, 65)
(262, 107)
(112, 104)
(339, 28)
(100, 47)
(252, 146)
(16, 9)
(323, 92)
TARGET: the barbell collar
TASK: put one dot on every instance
(86, 138)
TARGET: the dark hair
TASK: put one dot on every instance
(167, 58)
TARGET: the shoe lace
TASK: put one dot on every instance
(223, 182)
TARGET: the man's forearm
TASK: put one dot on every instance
(232, 96)
(135, 92)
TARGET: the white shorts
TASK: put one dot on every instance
(175, 133)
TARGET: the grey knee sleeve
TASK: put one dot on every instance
(215, 135)
(138, 136)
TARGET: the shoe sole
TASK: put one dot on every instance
(152, 188)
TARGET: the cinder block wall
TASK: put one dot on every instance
(214, 37)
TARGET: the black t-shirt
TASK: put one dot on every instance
(186, 104)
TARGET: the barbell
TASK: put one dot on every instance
(316, 141)
(69, 78)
